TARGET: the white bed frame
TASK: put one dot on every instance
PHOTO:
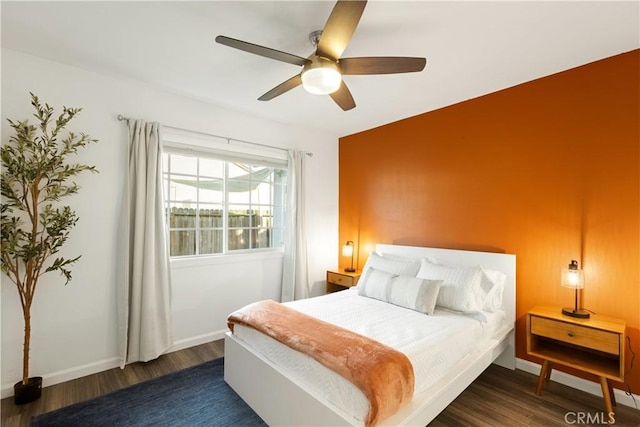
(281, 401)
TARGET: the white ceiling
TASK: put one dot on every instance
(472, 48)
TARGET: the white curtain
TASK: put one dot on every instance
(145, 297)
(295, 280)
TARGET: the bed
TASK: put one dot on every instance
(285, 387)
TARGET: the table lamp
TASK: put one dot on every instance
(572, 278)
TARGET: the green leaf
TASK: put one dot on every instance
(36, 166)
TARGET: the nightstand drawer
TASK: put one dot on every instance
(608, 342)
(340, 279)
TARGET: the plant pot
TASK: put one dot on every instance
(25, 393)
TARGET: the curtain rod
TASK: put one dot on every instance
(121, 118)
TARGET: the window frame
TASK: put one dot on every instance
(228, 151)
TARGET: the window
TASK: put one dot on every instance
(217, 205)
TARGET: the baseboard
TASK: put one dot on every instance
(69, 374)
(200, 339)
(106, 364)
(590, 387)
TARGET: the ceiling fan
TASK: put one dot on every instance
(322, 71)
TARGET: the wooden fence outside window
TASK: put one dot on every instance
(247, 230)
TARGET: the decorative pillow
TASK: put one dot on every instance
(414, 293)
(404, 291)
(375, 284)
(461, 289)
(492, 284)
(391, 264)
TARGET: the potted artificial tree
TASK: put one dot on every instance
(35, 176)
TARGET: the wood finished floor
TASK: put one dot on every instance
(64, 394)
(499, 397)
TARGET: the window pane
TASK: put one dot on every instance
(182, 217)
(237, 197)
(239, 239)
(184, 164)
(262, 238)
(211, 218)
(211, 168)
(237, 170)
(211, 242)
(239, 216)
(182, 242)
(183, 189)
(211, 190)
(251, 183)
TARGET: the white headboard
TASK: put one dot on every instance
(505, 263)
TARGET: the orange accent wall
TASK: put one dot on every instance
(548, 170)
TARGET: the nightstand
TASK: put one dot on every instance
(338, 280)
(595, 345)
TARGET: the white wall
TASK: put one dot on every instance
(74, 326)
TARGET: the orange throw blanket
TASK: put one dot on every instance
(383, 374)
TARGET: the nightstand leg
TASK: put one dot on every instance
(612, 394)
(545, 374)
(606, 394)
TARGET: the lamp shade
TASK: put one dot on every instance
(347, 249)
(572, 276)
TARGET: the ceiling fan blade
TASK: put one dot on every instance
(339, 28)
(267, 52)
(343, 97)
(381, 65)
(282, 88)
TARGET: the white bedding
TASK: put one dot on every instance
(433, 344)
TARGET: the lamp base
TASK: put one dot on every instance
(582, 314)
(350, 270)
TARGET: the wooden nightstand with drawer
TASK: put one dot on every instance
(338, 280)
(595, 345)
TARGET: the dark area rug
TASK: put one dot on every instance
(196, 396)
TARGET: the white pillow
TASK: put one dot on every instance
(404, 291)
(375, 284)
(391, 264)
(492, 284)
(414, 293)
(461, 289)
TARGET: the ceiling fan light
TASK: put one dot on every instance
(321, 80)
